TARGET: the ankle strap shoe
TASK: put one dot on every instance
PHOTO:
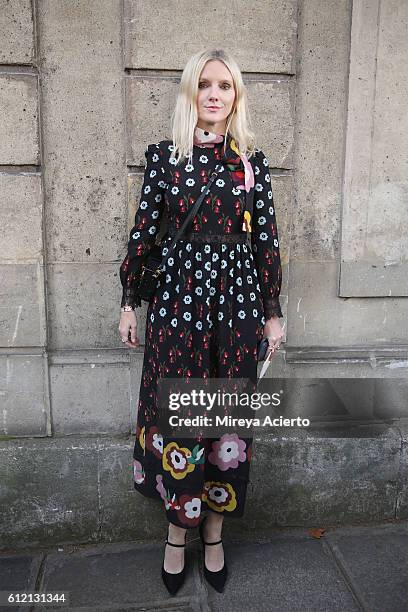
(173, 582)
(216, 579)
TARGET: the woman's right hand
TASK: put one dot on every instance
(128, 324)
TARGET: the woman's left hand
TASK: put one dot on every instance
(274, 332)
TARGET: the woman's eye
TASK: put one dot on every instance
(225, 85)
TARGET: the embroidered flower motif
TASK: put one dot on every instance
(154, 441)
(138, 472)
(181, 461)
(190, 510)
(219, 496)
(227, 452)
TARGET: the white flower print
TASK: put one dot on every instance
(239, 264)
(136, 235)
(199, 325)
(212, 290)
(220, 316)
(162, 312)
(232, 255)
(231, 272)
(152, 317)
(258, 187)
(199, 274)
(261, 220)
(252, 296)
(157, 198)
(235, 191)
(189, 168)
(239, 281)
(241, 314)
(271, 210)
(152, 229)
(188, 246)
(238, 247)
(263, 320)
(220, 183)
(223, 247)
(231, 290)
(222, 299)
(207, 283)
(207, 248)
(143, 205)
(213, 274)
(263, 236)
(223, 263)
(190, 182)
(244, 248)
(207, 265)
(230, 322)
(258, 287)
(174, 322)
(187, 316)
(215, 256)
(203, 159)
(170, 261)
(172, 161)
(198, 256)
(265, 161)
(247, 263)
(147, 189)
(199, 290)
(166, 295)
(192, 508)
(175, 190)
(275, 242)
(255, 312)
(165, 250)
(168, 278)
(187, 299)
(240, 297)
(249, 279)
(188, 264)
(260, 204)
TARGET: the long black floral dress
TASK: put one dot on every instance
(205, 320)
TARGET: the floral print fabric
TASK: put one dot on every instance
(205, 320)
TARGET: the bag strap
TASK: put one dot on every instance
(190, 215)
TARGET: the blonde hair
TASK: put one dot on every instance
(185, 116)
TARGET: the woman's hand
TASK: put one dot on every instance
(274, 332)
(128, 323)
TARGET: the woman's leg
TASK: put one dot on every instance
(214, 555)
(174, 556)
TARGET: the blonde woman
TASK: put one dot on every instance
(217, 298)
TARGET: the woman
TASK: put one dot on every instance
(216, 299)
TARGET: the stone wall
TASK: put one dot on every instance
(84, 87)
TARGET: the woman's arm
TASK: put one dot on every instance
(147, 223)
(264, 238)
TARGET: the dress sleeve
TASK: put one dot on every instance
(147, 223)
(264, 239)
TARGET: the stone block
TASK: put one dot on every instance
(83, 132)
(17, 32)
(19, 139)
(22, 308)
(21, 218)
(24, 395)
(264, 34)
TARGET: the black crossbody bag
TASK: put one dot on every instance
(152, 267)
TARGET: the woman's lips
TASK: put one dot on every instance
(212, 108)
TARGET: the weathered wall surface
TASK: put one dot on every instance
(84, 87)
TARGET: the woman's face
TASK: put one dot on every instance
(215, 89)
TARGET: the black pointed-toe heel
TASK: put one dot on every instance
(174, 581)
(216, 579)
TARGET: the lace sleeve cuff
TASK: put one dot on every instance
(128, 295)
